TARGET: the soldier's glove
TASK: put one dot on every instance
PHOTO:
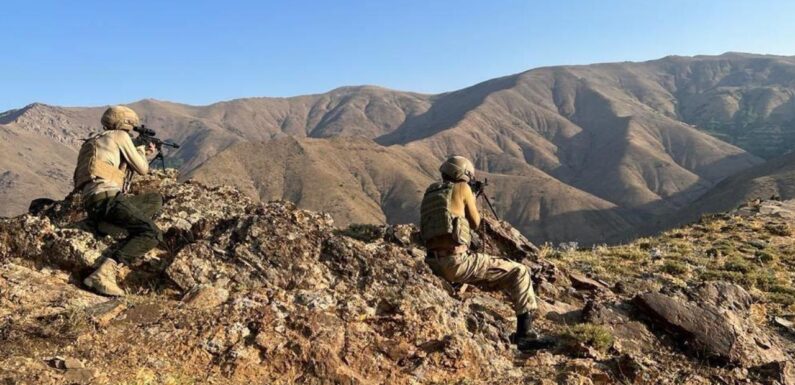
(476, 186)
(138, 141)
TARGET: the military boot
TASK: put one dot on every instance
(103, 280)
(526, 338)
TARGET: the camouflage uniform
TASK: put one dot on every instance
(448, 212)
(490, 273)
(99, 176)
(132, 213)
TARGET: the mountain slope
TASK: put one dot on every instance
(578, 125)
(775, 178)
(623, 143)
(357, 181)
(31, 167)
(202, 131)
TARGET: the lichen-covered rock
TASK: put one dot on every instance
(205, 297)
(41, 242)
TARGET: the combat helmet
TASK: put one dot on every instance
(457, 168)
(120, 118)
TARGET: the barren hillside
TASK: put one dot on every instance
(357, 181)
(773, 179)
(623, 145)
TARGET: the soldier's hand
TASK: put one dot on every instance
(150, 149)
(476, 186)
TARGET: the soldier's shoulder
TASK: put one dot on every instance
(117, 133)
(436, 186)
(462, 186)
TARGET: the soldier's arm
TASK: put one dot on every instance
(135, 157)
(471, 207)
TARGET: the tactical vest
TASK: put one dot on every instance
(436, 220)
(89, 167)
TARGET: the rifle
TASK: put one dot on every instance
(146, 136)
(479, 188)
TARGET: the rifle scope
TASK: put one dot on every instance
(144, 131)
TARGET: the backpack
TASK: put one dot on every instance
(436, 220)
(89, 167)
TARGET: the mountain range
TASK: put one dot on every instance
(594, 153)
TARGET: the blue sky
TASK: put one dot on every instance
(80, 53)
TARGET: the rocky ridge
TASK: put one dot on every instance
(244, 292)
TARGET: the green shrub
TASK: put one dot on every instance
(363, 232)
(596, 336)
(781, 298)
(724, 247)
(765, 280)
(675, 268)
(738, 264)
(780, 229)
(768, 255)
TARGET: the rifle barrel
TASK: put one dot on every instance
(491, 207)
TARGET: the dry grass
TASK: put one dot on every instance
(757, 253)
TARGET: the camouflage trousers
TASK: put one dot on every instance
(132, 213)
(488, 273)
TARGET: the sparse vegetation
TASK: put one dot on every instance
(596, 336)
(72, 322)
(756, 252)
(780, 229)
(675, 268)
(363, 232)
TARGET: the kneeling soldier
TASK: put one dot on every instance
(447, 215)
(100, 174)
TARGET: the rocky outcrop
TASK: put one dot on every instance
(714, 323)
(244, 292)
(284, 296)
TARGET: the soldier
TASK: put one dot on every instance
(102, 166)
(448, 213)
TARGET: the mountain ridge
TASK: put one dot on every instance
(631, 134)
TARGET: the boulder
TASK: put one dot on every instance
(205, 297)
(581, 282)
(722, 333)
(630, 336)
(780, 372)
(503, 239)
(102, 314)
